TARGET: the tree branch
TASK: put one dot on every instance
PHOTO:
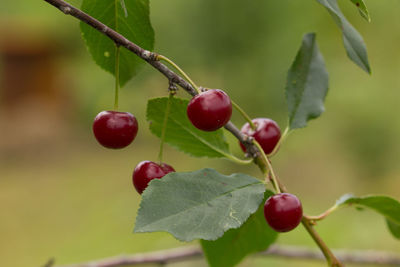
(119, 39)
(146, 55)
(288, 252)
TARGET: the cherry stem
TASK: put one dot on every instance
(164, 128)
(244, 114)
(116, 76)
(161, 57)
(280, 142)
(271, 177)
(322, 215)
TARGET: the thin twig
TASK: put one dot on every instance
(331, 258)
(287, 252)
(119, 39)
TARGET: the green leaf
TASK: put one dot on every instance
(253, 236)
(180, 132)
(307, 84)
(394, 228)
(362, 8)
(344, 198)
(129, 18)
(384, 205)
(198, 205)
(353, 42)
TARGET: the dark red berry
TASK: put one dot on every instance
(210, 110)
(146, 171)
(114, 129)
(167, 168)
(267, 133)
(283, 212)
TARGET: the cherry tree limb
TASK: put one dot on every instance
(287, 252)
(146, 55)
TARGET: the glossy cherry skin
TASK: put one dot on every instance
(146, 171)
(114, 129)
(283, 212)
(210, 110)
(267, 133)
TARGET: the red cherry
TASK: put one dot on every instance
(267, 133)
(114, 129)
(167, 168)
(283, 212)
(146, 171)
(210, 110)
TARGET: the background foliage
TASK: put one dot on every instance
(66, 197)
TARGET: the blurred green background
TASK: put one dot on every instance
(63, 196)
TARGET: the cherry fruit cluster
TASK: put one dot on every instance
(208, 111)
(116, 130)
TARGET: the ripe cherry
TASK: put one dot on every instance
(146, 171)
(283, 212)
(267, 133)
(114, 129)
(210, 110)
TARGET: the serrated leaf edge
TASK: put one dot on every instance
(251, 211)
